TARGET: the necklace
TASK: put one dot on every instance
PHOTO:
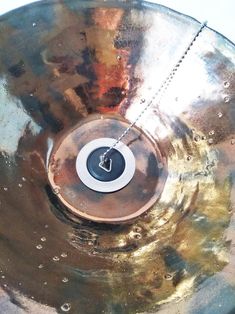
(105, 161)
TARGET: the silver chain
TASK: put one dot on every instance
(163, 87)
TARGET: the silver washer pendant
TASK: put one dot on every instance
(105, 186)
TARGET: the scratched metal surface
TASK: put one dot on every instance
(61, 61)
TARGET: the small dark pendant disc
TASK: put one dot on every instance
(116, 164)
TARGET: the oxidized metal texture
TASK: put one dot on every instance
(123, 205)
(61, 61)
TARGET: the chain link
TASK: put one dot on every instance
(163, 87)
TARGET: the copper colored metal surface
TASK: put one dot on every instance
(63, 63)
(124, 205)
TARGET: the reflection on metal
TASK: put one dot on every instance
(126, 203)
(63, 63)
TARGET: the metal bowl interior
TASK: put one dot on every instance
(65, 61)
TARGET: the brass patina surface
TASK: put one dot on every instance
(63, 61)
(122, 206)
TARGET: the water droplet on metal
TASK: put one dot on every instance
(56, 191)
(137, 229)
(66, 307)
(226, 99)
(45, 283)
(119, 58)
(43, 239)
(232, 141)
(212, 132)
(39, 246)
(220, 114)
(23, 179)
(197, 138)
(3, 277)
(137, 236)
(64, 255)
(40, 266)
(168, 276)
(65, 279)
(34, 24)
(56, 258)
(226, 84)
(20, 185)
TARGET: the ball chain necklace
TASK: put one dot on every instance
(105, 161)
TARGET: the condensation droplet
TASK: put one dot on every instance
(232, 141)
(23, 179)
(137, 229)
(226, 84)
(34, 24)
(20, 185)
(189, 158)
(197, 138)
(137, 236)
(56, 258)
(226, 99)
(3, 277)
(119, 58)
(64, 255)
(46, 226)
(212, 132)
(56, 191)
(31, 94)
(40, 266)
(65, 279)
(65, 307)
(45, 283)
(43, 239)
(5, 189)
(168, 276)
(39, 246)
(220, 114)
